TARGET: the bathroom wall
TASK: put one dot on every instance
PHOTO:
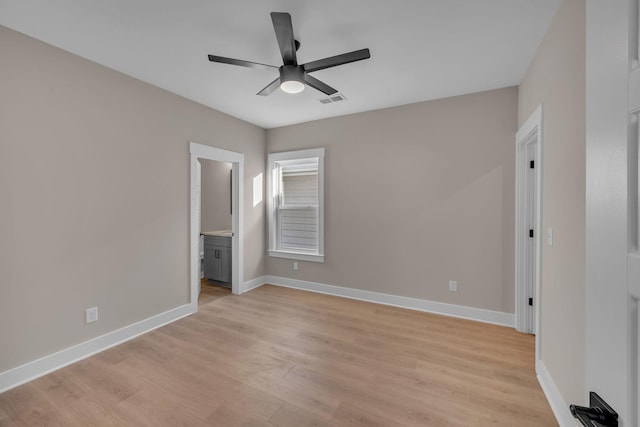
(215, 195)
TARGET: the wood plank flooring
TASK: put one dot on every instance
(283, 357)
(211, 292)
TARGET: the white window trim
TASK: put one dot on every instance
(294, 155)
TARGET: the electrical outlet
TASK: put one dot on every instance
(453, 286)
(295, 265)
(91, 315)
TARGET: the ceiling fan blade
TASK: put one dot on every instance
(224, 60)
(268, 90)
(318, 85)
(334, 61)
(284, 33)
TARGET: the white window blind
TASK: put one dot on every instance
(298, 209)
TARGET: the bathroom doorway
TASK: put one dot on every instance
(215, 216)
(223, 222)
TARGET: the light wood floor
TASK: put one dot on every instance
(210, 292)
(282, 357)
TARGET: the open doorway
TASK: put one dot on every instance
(528, 225)
(215, 218)
(226, 241)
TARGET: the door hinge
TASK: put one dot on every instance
(599, 413)
(532, 164)
(531, 233)
(531, 301)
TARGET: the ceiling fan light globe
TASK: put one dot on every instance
(292, 86)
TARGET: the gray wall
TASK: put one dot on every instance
(416, 196)
(556, 78)
(216, 195)
(94, 197)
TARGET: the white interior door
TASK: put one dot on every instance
(528, 227)
(532, 229)
(612, 258)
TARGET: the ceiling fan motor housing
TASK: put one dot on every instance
(292, 72)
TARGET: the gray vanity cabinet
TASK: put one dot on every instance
(217, 258)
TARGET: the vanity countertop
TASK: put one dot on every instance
(220, 233)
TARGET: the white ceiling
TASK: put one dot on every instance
(420, 49)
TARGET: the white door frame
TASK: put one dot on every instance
(612, 292)
(199, 151)
(529, 133)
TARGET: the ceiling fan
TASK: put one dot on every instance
(293, 77)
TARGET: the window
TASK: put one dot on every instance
(295, 204)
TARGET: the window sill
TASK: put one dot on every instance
(296, 255)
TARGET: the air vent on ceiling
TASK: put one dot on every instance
(333, 98)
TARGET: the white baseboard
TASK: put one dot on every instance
(37, 368)
(558, 405)
(252, 284)
(464, 312)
